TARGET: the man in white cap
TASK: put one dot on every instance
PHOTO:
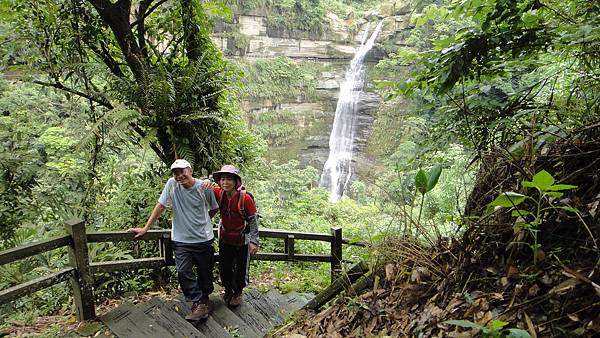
(192, 234)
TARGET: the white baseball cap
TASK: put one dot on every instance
(180, 164)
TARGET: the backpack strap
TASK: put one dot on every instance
(241, 203)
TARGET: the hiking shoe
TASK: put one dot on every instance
(227, 297)
(236, 300)
(199, 311)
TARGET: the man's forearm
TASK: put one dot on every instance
(156, 212)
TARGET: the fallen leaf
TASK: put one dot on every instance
(389, 272)
(565, 286)
(573, 317)
(533, 291)
(497, 296)
(530, 326)
(512, 272)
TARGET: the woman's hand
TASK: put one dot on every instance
(252, 248)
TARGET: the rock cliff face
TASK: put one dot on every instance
(334, 48)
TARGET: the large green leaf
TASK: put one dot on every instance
(543, 180)
(518, 333)
(562, 187)
(421, 181)
(508, 199)
(433, 177)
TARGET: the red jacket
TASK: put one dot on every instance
(233, 223)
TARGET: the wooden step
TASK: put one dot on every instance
(230, 321)
(264, 306)
(130, 321)
(169, 320)
(258, 314)
(296, 300)
(252, 317)
(208, 327)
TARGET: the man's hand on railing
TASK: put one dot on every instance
(138, 231)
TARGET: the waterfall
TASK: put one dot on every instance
(337, 170)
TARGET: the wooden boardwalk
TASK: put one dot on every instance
(258, 314)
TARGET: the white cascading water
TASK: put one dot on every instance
(337, 170)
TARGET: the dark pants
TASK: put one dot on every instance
(233, 265)
(195, 287)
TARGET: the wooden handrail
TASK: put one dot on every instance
(122, 236)
(33, 285)
(28, 250)
(130, 264)
(82, 270)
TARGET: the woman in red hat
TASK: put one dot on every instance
(238, 232)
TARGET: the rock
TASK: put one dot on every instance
(252, 25)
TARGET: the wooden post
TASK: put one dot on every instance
(336, 252)
(167, 249)
(83, 280)
(289, 246)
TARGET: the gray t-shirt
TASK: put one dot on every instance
(191, 222)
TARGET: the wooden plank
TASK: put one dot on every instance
(83, 280)
(295, 300)
(252, 318)
(34, 285)
(128, 321)
(359, 243)
(117, 313)
(279, 302)
(171, 321)
(28, 250)
(132, 264)
(261, 304)
(277, 233)
(124, 236)
(336, 252)
(297, 257)
(119, 236)
(337, 285)
(208, 327)
(230, 321)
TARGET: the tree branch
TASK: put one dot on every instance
(101, 101)
(116, 16)
(190, 30)
(141, 30)
(148, 12)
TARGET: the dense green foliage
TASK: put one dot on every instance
(158, 79)
(510, 67)
(278, 79)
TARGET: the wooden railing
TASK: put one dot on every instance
(81, 273)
